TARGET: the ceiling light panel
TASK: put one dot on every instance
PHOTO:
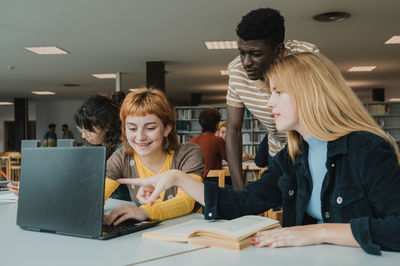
(361, 68)
(6, 103)
(43, 92)
(105, 76)
(46, 50)
(394, 99)
(221, 45)
(393, 40)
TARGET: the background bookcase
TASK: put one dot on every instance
(187, 125)
(387, 115)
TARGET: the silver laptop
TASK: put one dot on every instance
(62, 192)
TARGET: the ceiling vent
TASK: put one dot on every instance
(331, 16)
(71, 85)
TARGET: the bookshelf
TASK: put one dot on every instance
(387, 115)
(187, 125)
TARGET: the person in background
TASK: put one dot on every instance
(98, 122)
(338, 178)
(150, 147)
(212, 146)
(221, 132)
(261, 158)
(67, 134)
(50, 138)
(261, 41)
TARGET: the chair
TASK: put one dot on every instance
(276, 215)
(29, 143)
(13, 168)
(65, 142)
(5, 165)
(221, 174)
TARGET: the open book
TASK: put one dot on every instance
(232, 234)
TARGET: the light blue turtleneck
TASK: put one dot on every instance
(317, 154)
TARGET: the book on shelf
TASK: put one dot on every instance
(183, 125)
(378, 109)
(230, 234)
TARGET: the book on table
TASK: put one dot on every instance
(231, 234)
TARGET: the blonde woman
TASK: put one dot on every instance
(221, 132)
(338, 179)
(150, 147)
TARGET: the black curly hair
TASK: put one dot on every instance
(262, 24)
(102, 111)
(209, 119)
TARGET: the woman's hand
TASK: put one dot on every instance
(313, 234)
(289, 236)
(151, 187)
(14, 187)
(124, 212)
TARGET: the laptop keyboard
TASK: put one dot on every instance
(120, 227)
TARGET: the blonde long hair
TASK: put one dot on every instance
(327, 107)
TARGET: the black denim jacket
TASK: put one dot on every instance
(361, 187)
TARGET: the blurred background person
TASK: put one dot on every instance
(221, 132)
(212, 146)
(50, 138)
(99, 123)
(67, 134)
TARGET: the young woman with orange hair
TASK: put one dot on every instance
(150, 147)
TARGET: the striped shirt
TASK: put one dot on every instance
(254, 94)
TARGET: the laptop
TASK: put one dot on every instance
(62, 192)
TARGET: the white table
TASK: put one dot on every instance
(319, 255)
(22, 247)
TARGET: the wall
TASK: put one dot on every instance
(7, 114)
(59, 113)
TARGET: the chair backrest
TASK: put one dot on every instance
(29, 143)
(65, 142)
(5, 165)
(221, 174)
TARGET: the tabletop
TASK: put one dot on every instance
(22, 247)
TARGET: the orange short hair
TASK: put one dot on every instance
(141, 102)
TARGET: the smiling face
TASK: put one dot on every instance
(256, 57)
(145, 134)
(284, 110)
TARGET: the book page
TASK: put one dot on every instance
(240, 227)
(236, 229)
(179, 232)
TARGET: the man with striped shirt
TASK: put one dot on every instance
(261, 34)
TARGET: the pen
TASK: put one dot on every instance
(8, 179)
(5, 175)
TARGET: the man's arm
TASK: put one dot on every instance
(234, 145)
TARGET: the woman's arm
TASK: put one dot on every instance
(152, 187)
(109, 187)
(181, 204)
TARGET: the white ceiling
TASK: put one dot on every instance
(104, 36)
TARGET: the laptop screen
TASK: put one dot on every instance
(62, 190)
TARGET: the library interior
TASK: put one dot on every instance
(189, 91)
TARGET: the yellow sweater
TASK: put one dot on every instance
(179, 205)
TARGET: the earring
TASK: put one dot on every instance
(165, 143)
